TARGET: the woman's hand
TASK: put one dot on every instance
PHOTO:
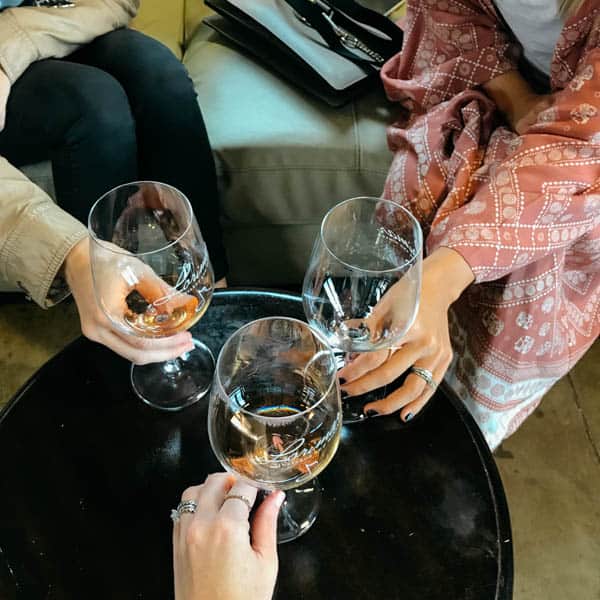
(517, 100)
(527, 111)
(4, 94)
(217, 553)
(426, 344)
(96, 326)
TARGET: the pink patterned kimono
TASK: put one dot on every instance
(524, 211)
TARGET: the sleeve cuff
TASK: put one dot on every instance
(37, 250)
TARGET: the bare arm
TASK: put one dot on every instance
(515, 98)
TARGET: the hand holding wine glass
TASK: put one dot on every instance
(153, 278)
(217, 553)
(274, 414)
(426, 345)
(96, 326)
(361, 288)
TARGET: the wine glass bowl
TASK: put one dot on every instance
(365, 248)
(274, 414)
(153, 278)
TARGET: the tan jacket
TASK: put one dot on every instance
(35, 234)
(28, 34)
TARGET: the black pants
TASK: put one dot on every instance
(119, 109)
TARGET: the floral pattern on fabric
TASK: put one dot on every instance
(524, 211)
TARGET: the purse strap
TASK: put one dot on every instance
(344, 24)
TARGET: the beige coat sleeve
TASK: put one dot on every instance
(29, 34)
(35, 236)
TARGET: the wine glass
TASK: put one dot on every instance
(366, 248)
(274, 414)
(153, 278)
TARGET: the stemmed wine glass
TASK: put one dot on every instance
(275, 415)
(366, 248)
(153, 278)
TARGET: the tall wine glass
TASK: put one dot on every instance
(153, 278)
(366, 247)
(275, 415)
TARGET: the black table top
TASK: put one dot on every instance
(90, 473)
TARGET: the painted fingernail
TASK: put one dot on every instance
(342, 380)
(408, 417)
(344, 394)
(372, 413)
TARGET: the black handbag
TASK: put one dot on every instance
(333, 49)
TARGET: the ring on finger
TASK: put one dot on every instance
(185, 506)
(244, 499)
(426, 375)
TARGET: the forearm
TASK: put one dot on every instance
(448, 272)
(511, 93)
(29, 34)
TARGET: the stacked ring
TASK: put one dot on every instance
(426, 375)
(185, 506)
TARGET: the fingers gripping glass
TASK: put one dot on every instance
(153, 279)
(366, 247)
(275, 416)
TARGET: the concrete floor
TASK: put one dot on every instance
(550, 467)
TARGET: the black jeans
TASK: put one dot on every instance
(119, 109)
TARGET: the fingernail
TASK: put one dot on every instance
(372, 413)
(342, 380)
(408, 417)
(280, 498)
(344, 394)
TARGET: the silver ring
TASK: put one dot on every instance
(426, 375)
(244, 499)
(185, 506)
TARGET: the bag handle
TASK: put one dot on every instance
(339, 22)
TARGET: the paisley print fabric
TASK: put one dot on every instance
(524, 211)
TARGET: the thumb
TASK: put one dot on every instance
(264, 524)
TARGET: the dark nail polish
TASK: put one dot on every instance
(408, 417)
(372, 413)
(344, 394)
(342, 380)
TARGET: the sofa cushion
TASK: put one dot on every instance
(285, 158)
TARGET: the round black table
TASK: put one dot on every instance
(90, 473)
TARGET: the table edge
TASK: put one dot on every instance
(504, 590)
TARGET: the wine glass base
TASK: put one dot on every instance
(299, 511)
(175, 384)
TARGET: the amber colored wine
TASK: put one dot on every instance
(165, 322)
(280, 441)
(166, 309)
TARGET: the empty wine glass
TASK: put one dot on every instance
(366, 247)
(153, 278)
(275, 415)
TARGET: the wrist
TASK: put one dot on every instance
(77, 260)
(448, 273)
